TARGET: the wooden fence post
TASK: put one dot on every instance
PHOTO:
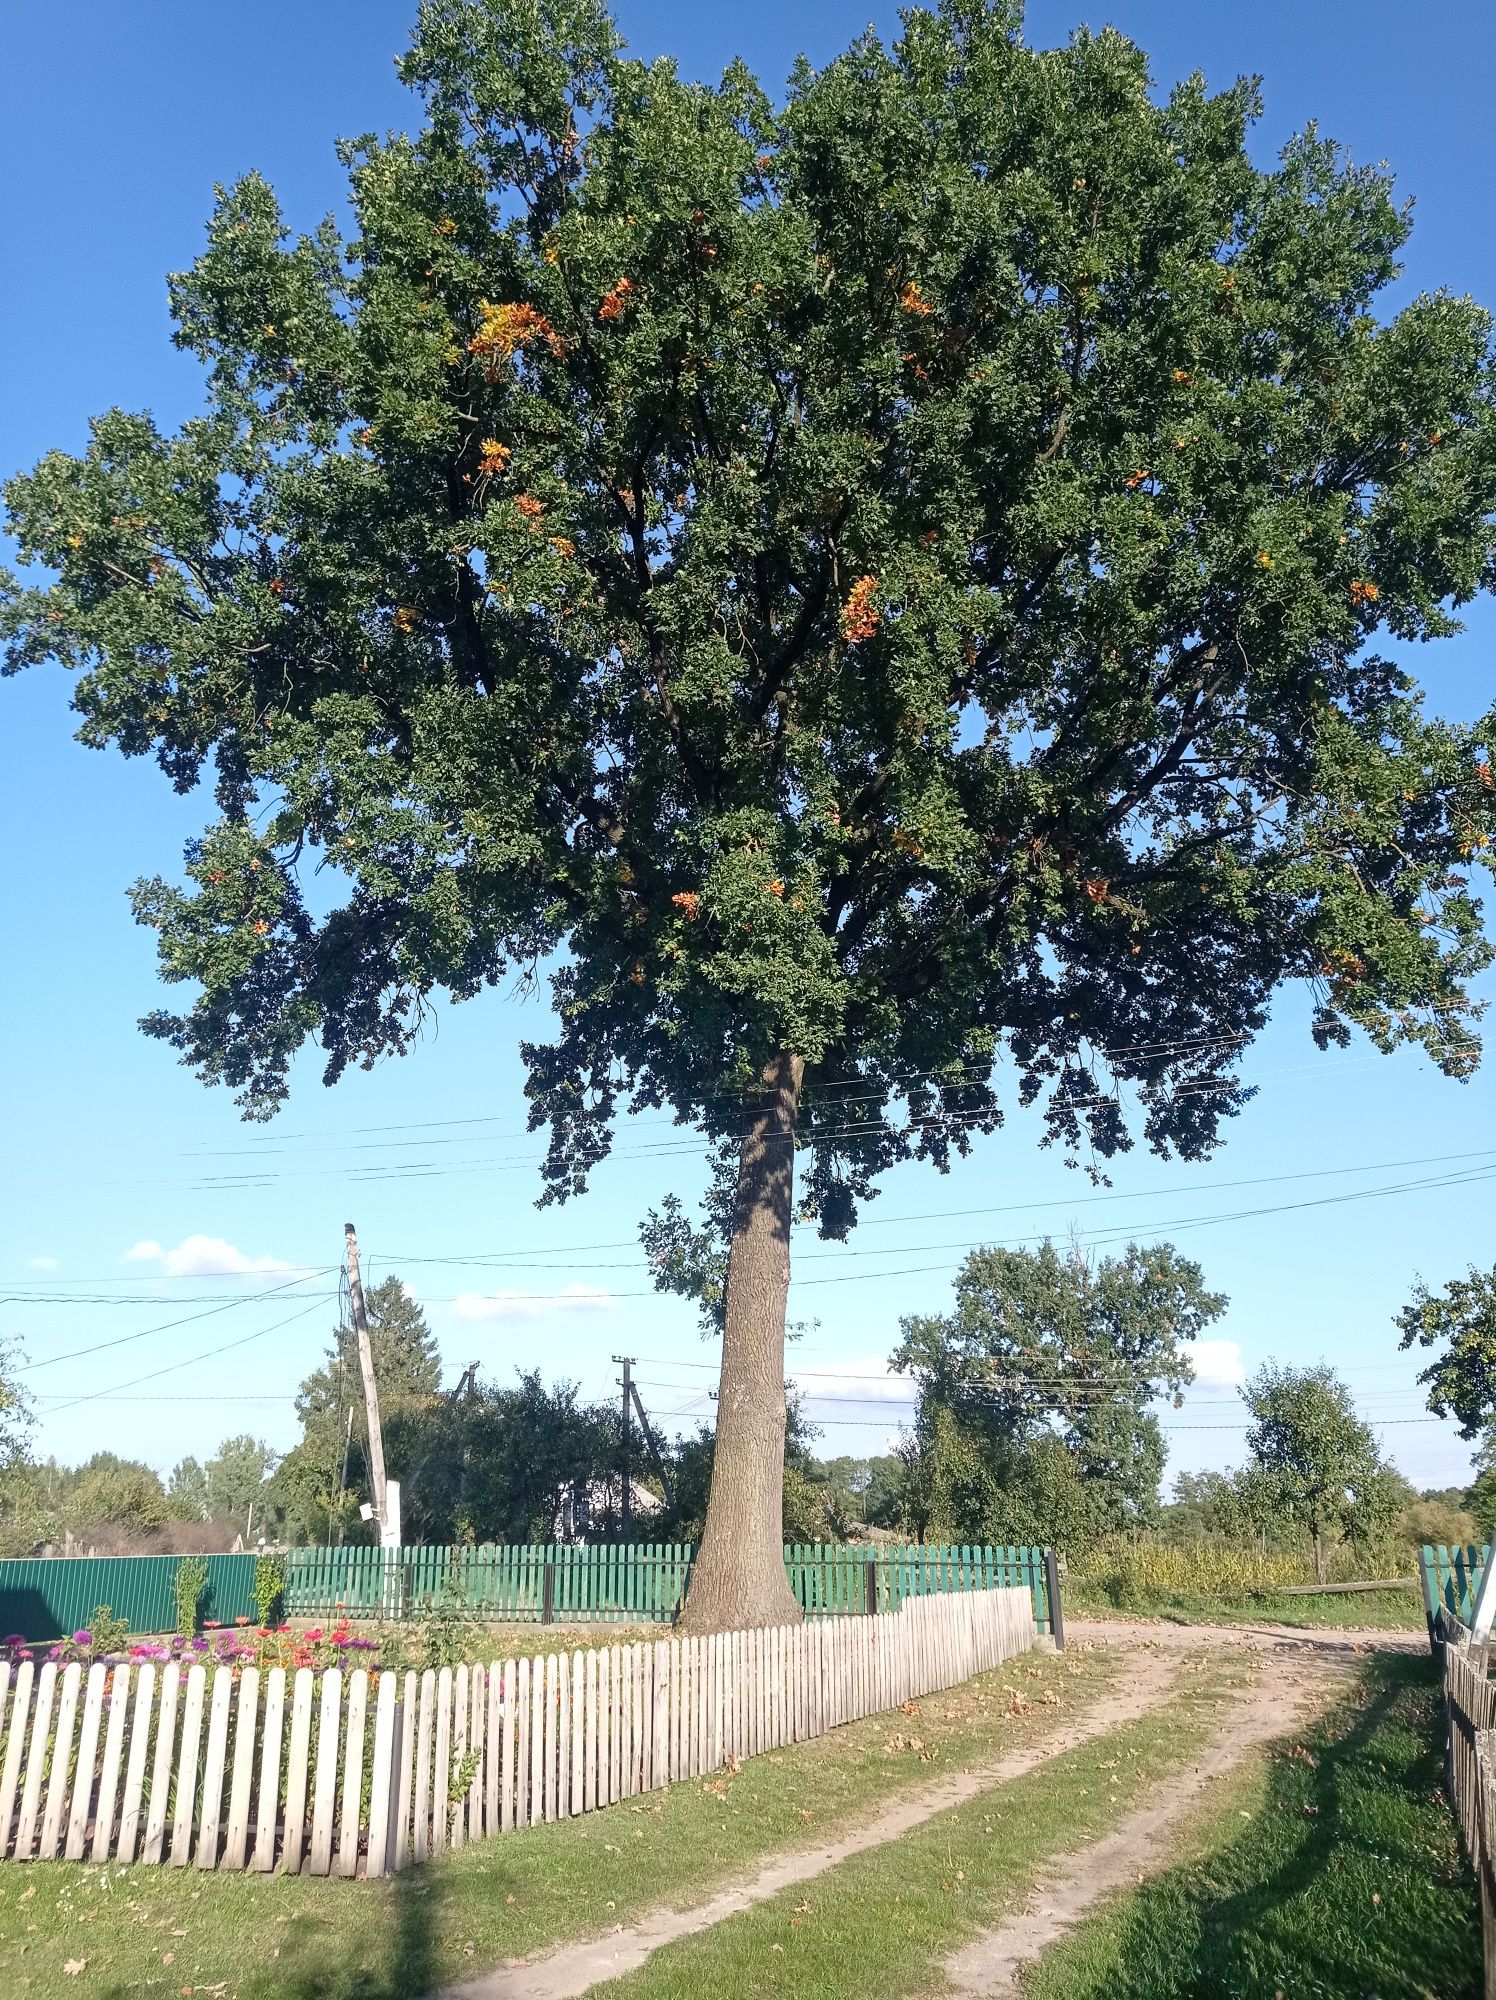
(1052, 1599)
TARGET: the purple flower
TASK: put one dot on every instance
(201, 1643)
(83, 1638)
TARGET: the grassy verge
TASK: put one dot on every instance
(1335, 1873)
(162, 1931)
(1370, 1610)
(873, 1927)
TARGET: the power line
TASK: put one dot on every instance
(857, 1133)
(125, 1339)
(172, 1368)
(873, 1219)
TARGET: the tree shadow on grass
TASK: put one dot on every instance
(1346, 1881)
(380, 1944)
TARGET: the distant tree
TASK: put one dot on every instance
(1439, 1517)
(495, 1465)
(806, 1506)
(107, 1490)
(317, 1502)
(1461, 1318)
(232, 1482)
(1319, 1464)
(867, 1492)
(15, 1412)
(1203, 1506)
(1035, 1392)
(877, 594)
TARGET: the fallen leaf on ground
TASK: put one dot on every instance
(73, 1966)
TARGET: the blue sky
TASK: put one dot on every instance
(116, 118)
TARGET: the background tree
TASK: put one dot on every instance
(1319, 1463)
(318, 1499)
(110, 1491)
(232, 1485)
(1462, 1382)
(495, 1464)
(863, 1492)
(1034, 1419)
(806, 1506)
(875, 586)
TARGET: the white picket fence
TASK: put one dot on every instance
(376, 1771)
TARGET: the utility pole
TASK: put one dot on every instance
(378, 1498)
(626, 1362)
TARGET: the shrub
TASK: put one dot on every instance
(270, 1585)
(108, 1633)
(192, 1587)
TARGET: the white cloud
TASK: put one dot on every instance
(532, 1305)
(203, 1257)
(41, 1263)
(1218, 1364)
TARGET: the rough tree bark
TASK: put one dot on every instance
(738, 1578)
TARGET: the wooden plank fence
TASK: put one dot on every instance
(634, 1583)
(1470, 1714)
(365, 1773)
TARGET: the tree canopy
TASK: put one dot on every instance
(1319, 1465)
(1034, 1420)
(876, 594)
(323, 1478)
(1462, 1381)
(233, 1484)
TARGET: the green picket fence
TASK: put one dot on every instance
(1450, 1578)
(634, 1583)
(42, 1597)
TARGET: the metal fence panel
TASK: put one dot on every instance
(42, 1597)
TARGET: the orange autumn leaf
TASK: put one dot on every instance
(688, 901)
(913, 300)
(1364, 593)
(859, 620)
(1096, 887)
(1137, 478)
(563, 545)
(406, 619)
(615, 299)
(504, 329)
(493, 457)
(776, 887)
(530, 507)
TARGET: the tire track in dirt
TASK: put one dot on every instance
(574, 1969)
(1293, 1683)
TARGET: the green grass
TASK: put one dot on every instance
(873, 1927)
(1370, 1610)
(296, 1938)
(1339, 1876)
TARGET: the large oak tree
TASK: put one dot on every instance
(877, 595)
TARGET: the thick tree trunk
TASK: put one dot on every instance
(738, 1578)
